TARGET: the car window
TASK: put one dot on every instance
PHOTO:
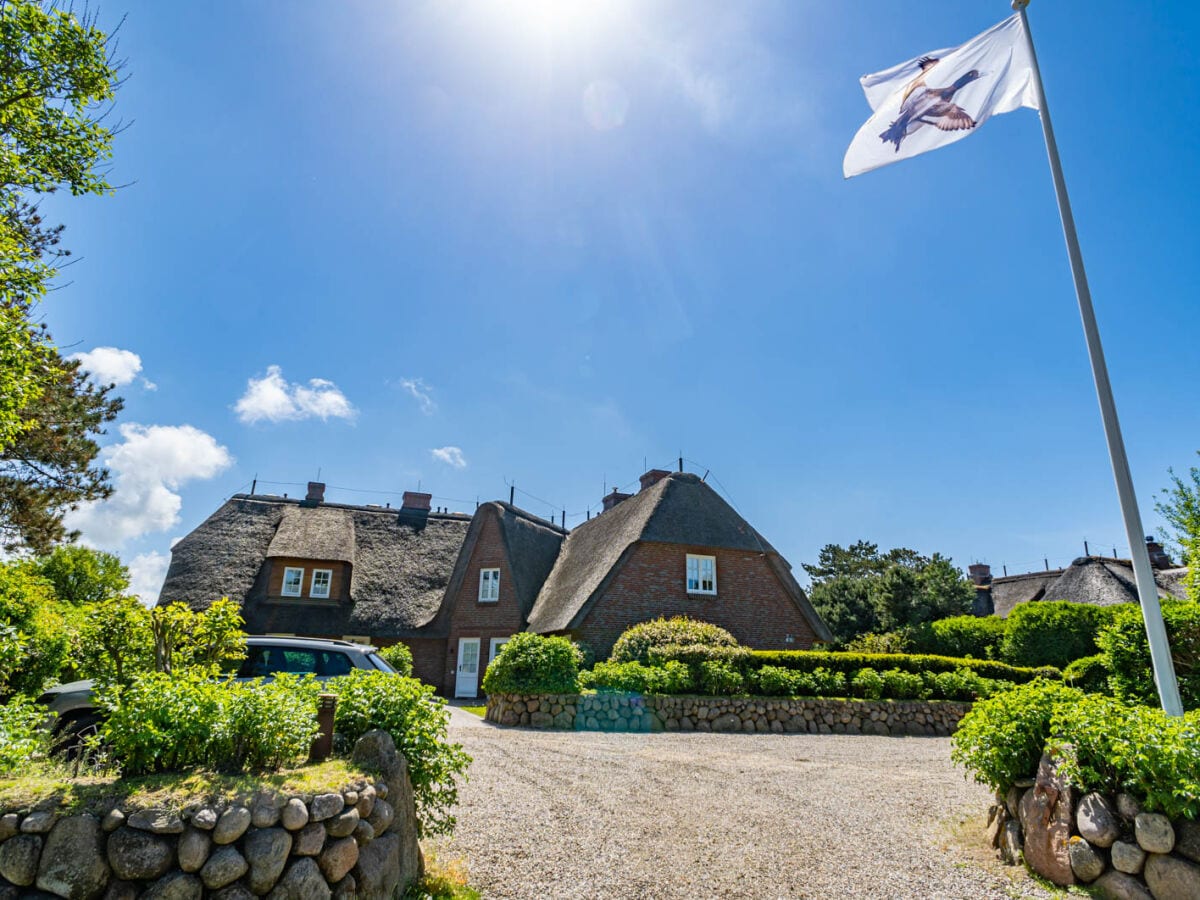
(331, 664)
(262, 662)
(380, 663)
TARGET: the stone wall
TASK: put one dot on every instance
(635, 712)
(1109, 843)
(359, 841)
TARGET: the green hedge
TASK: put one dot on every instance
(1127, 654)
(1088, 674)
(634, 678)
(1052, 633)
(638, 641)
(532, 664)
(849, 663)
(960, 636)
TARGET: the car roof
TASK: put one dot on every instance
(264, 640)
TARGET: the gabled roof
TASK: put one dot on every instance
(1098, 580)
(678, 509)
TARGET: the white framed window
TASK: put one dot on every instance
(489, 585)
(496, 644)
(701, 574)
(321, 580)
(293, 582)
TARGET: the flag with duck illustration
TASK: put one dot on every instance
(941, 97)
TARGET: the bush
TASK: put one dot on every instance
(694, 654)
(774, 681)
(23, 735)
(900, 685)
(1052, 633)
(720, 679)
(635, 644)
(399, 657)
(35, 630)
(532, 664)
(267, 725)
(634, 678)
(889, 642)
(867, 684)
(978, 637)
(1127, 653)
(1089, 673)
(417, 721)
(1002, 738)
(849, 663)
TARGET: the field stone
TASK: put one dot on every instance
(310, 840)
(1187, 839)
(1128, 858)
(382, 816)
(363, 834)
(1114, 885)
(1086, 863)
(19, 859)
(1046, 822)
(1155, 833)
(121, 890)
(294, 814)
(235, 891)
(1172, 877)
(139, 855)
(194, 847)
(225, 866)
(346, 889)
(1128, 806)
(113, 819)
(205, 819)
(302, 881)
(383, 866)
(266, 851)
(158, 821)
(366, 802)
(727, 722)
(351, 797)
(231, 825)
(10, 824)
(175, 886)
(338, 858)
(324, 806)
(38, 822)
(264, 811)
(1096, 820)
(343, 824)
(73, 863)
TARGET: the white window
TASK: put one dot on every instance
(293, 582)
(489, 585)
(321, 580)
(701, 574)
(497, 643)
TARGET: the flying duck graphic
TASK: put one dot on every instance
(923, 105)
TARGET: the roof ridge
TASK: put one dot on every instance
(273, 499)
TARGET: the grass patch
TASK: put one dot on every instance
(480, 711)
(54, 789)
(443, 880)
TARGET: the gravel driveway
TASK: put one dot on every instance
(589, 815)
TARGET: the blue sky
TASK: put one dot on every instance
(555, 238)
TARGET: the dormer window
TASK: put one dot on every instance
(489, 585)
(293, 582)
(701, 574)
(321, 580)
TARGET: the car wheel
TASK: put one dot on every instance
(73, 736)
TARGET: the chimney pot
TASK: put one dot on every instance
(652, 477)
(614, 498)
(980, 573)
(316, 492)
(416, 502)
(1159, 558)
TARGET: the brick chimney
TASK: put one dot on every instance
(315, 495)
(980, 573)
(415, 502)
(653, 477)
(1159, 557)
(614, 498)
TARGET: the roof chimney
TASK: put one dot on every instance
(614, 498)
(315, 495)
(1159, 558)
(652, 477)
(415, 502)
(980, 573)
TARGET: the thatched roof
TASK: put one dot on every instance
(399, 563)
(1098, 580)
(1010, 590)
(678, 509)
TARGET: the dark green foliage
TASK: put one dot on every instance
(636, 644)
(267, 725)
(34, 631)
(1127, 653)
(399, 657)
(1052, 633)
(634, 678)
(849, 663)
(1089, 673)
(901, 685)
(1002, 738)
(23, 736)
(695, 654)
(417, 720)
(82, 576)
(533, 664)
(844, 604)
(960, 636)
(720, 679)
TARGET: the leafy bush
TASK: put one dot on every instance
(1090, 673)
(867, 684)
(36, 632)
(532, 664)
(399, 657)
(889, 642)
(116, 641)
(23, 737)
(822, 682)
(1052, 633)
(266, 725)
(694, 654)
(720, 679)
(900, 685)
(978, 637)
(963, 684)
(1002, 738)
(849, 663)
(671, 678)
(773, 681)
(635, 644)
(1127, 653)
(417, 721)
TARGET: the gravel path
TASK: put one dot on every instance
(589, 815)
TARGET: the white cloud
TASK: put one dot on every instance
(451, 456)
(146, 574)
(148, 465)
(421, 392)
(109, 365)
(273, 398)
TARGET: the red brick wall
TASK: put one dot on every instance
(471, 618)
(751, 602)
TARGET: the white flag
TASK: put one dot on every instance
(941, 97)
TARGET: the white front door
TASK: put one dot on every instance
(467, 682)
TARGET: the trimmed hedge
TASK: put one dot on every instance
(961, 636)
(1052, 632)
(1127, 654)
(639, 641)
(1088, 674)
(849, 663)
(532, 664)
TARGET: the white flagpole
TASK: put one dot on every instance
(1156, 632)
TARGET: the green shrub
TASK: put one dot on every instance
(266, 725)
(1089, 673)
(963, 684)
(38, 630)
(773, 681)
(694, 654)
(1002, 738)
(1127, 654)
(23, 735)
(634, 678)
(1052, 633)
(822, 682)
(635, 644)
(417, 721)
(901, 685)
(533, 664)
(889, 642)
(399, 657)
(867, 684)
(720, 679)
(978, 637)
(849, 663)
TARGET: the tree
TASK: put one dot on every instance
(1180, 507)
(82, 576)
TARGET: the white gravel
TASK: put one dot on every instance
(587, 815)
